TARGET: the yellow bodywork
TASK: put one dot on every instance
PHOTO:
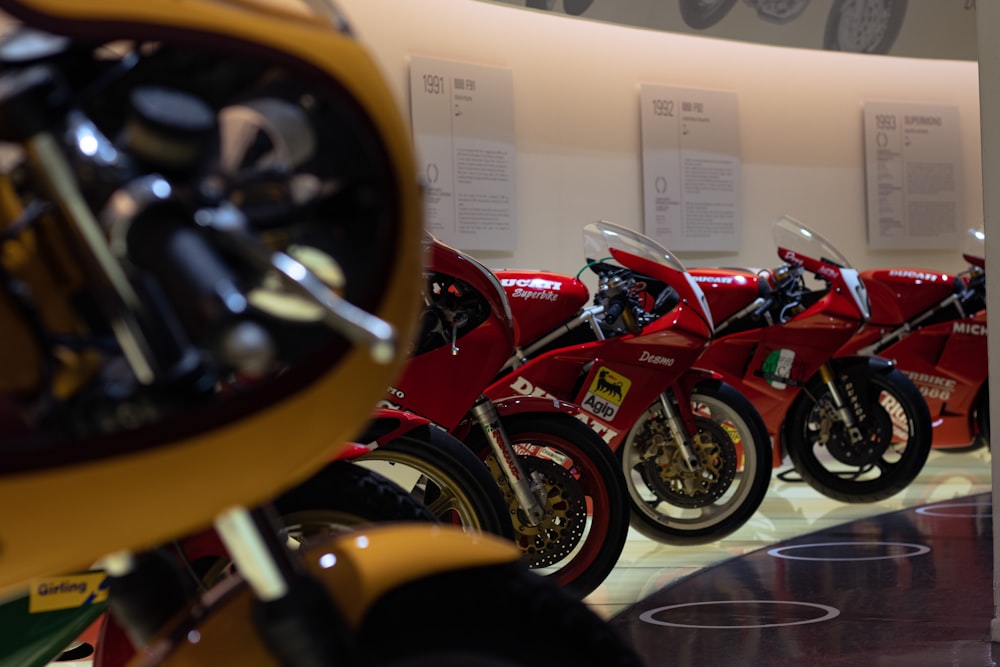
(359, 568)
(64, 518)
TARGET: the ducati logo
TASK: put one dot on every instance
(534, 283)
(524, 387)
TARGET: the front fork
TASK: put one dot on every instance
(843, 410)
(527, 490)
(682, 425)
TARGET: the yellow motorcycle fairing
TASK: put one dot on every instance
(65, 516)
(356, 569)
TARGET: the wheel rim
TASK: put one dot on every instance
(716, 490)
(428, 484)
(887, 432)
(576, 487)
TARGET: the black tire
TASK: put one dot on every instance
(573, 549)
(500, 616)
(873, 34)
(673, 506)
(345, 495)
(340, 496)
(438, 470)
(702, 14)
(983, 416)
(897, 438)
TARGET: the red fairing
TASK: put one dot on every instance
(541, 300)
(453, 262)
(727, 290)
(900, 294)
(440, 383)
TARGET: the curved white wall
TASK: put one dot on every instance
(576, 86)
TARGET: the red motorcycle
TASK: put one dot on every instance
(855, 427)
(566, 499)
(932, 325)
(695, 453)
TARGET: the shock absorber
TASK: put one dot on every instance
(690, 456)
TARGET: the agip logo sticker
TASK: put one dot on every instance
(606, 393)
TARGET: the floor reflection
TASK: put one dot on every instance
(906, 581)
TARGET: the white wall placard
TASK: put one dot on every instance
(691, 168)
(463, 131)
(913, 174)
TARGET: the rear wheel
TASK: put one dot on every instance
(895, 442)
(675, 504)
(583, 534)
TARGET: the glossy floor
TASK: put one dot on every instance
(652, 581)
(907, 581)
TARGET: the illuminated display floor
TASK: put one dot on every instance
(907, 581)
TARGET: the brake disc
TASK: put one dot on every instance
(669, 479)
(876, 431)
(565, 512)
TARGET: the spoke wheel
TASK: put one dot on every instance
(441, 473)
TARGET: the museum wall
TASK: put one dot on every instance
(576, 115)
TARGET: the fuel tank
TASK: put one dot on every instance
(540, 300)
(900, 294)
(729, 290)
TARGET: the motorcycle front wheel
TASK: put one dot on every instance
(675, 504)
(587, 518)
(492, 618)
(440, 472)
(895, 430)
(340, 496)
(344, 495)
(500, 615)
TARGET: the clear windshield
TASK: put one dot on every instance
(793, 235)
(600, 237)
(974, 246)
